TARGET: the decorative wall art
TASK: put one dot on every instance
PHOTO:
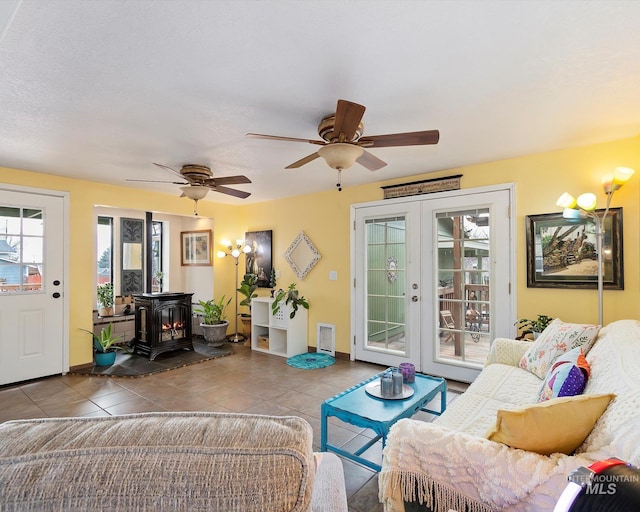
(415, 188)
(132, 254)
(195, 248)
(561, 253)
(259, 260)
(302, 255)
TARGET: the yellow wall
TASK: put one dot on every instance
(540, 179)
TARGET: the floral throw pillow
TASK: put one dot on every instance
(567, 376)
(559, 337)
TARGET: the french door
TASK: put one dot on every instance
(33, 326)
(429, 274)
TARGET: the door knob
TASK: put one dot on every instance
(414, 298)
(56, 295)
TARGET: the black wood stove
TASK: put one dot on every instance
(163, 323)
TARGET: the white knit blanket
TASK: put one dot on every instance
(449, 464)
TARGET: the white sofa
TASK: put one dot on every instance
(450, 464)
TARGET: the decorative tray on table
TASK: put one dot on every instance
(373, 389)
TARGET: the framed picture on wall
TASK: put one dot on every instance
(195, 248)
(562, 253)
(259, 259)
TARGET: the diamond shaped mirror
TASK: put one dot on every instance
(302, 255)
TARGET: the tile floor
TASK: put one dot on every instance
(247, 381)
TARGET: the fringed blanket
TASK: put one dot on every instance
(445, 469)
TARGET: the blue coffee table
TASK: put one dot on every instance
(359, 408)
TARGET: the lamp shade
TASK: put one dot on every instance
(587, 201)
(566, 200)
(195, 192)
(221, 254)
(621, 175)
(340, 155)
(571, 214)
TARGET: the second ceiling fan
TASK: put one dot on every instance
(343, 143)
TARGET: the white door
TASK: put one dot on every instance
(32, 286)
(432, 280)
(387, 281)
(468, 268)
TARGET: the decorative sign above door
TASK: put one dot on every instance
(415, 188)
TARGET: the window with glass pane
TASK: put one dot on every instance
(156, 256)
(386, 275)
(105, 250)
(463, 272)
(21, 250)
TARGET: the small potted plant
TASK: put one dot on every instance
(214, 320)
(289, 296)
(272, 281)
(105, 299)
(533, 327)
(248, 286)
(104, 346)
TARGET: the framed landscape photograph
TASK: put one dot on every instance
(259, 259)
(562, 253)
(195, 248)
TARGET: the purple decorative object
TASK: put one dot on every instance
(408, 372)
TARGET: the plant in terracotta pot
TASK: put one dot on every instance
(290, 296)
(248, 286)
(105, 299)
(214, 320)
(104, 346)
(533, 327)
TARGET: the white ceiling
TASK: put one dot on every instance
(99, 90)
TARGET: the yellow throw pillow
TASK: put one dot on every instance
(558, 425)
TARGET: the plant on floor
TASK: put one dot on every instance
(538, 325)
(248, 286)
(289, 296)
(106, 340)
(213, 312)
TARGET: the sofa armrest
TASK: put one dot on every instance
(507, 351)
(447, 469)
(329, 491)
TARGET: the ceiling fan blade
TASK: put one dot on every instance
(371, 162)
(302, 161)
(289, 139)
(228, 180)
(401, 139)
(160, 181)
(169, 169)
(231, 191)
(348, 117)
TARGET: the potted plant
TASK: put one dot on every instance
(214, 320)
(534, 327)
(272, 281)
(104, 347)
(105, 299)
(248, 286)
(289, 296)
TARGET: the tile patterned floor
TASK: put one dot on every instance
(247, 381)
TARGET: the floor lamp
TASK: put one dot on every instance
(584, 207)
(235, 253)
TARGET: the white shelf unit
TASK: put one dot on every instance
(287, 336)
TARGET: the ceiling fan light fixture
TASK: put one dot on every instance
(195, 192)
(340, 155)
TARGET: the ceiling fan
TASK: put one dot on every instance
(343, 143)
(198, 180)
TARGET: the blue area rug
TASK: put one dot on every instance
(310, 361)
